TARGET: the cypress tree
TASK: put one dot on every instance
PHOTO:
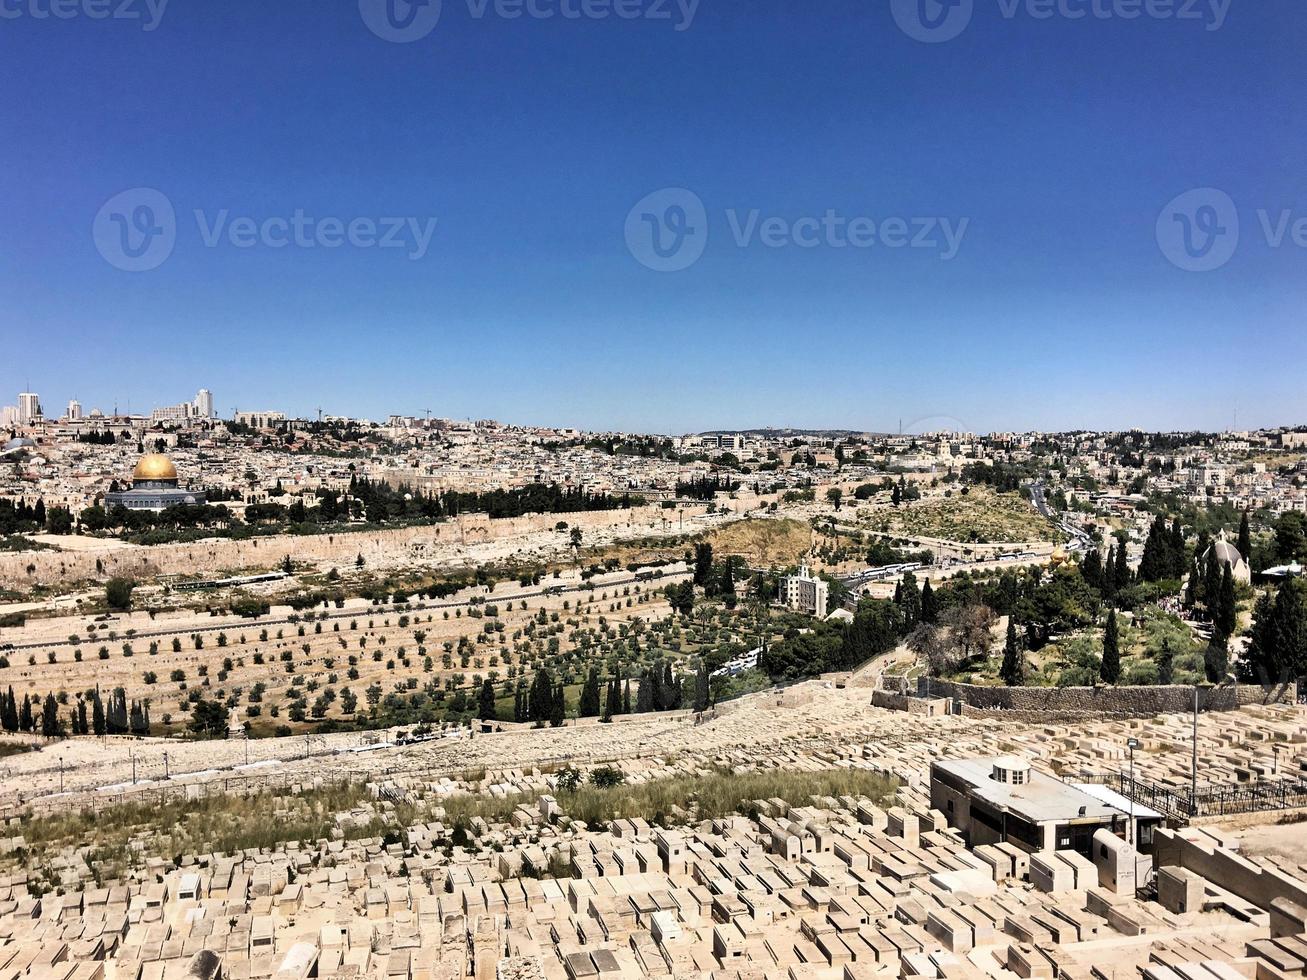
(1121, 577)
(1227, 608)
(644, 695)
(9, 712)
(1091, 569)
(25, 721)
(626, 697)
(557, 709)
(701, 688)
(1166, 663)
(486, 710)
(613, 701)
(1013, 669)
(929, 604)
(97, 714)
(541, 700)
(1212, 574)
(1177, 554)
(1245, 544)
(589, 706)
(1216, 660)
(1111, 668)
(669, 697)
(50, 717)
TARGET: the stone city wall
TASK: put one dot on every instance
(1110, 701)
(221, 556)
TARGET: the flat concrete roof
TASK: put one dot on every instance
(1112, 798)
(1041, 799)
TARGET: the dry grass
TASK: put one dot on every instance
(982, 516)
(129, 833)
(765, 541)
(683, 799)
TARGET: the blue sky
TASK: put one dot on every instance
(1059, 142)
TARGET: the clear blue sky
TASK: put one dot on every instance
(1059, 140)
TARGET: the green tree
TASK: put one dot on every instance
(1227, 608)
(1291, 537)
(1166, 663)
(1111, 668)
(701, 688)
(1013, 669)
(702, 563)
(540, 701)
(929, 604)
(118, 593)
(589, 706)
(557, 709)
(486, 708)
(1216, 660)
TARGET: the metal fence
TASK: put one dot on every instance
(1211, 800)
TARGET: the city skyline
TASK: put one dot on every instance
(205, 399)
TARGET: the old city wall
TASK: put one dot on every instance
(1144, 701)
(221, 556)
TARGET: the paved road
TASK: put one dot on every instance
(1080, 541)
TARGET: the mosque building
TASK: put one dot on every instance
(155, 487)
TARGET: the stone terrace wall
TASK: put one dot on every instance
(1082, 701)
(220, 555)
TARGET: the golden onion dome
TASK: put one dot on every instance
(154, 466)
(1059, 555)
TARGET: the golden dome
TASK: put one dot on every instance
(1059, 555)
(154, 466)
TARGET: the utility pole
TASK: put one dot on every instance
(1193, 770)
(1132, 744)
(166, 774)
(61, 775)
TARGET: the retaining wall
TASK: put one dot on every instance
(1130, 702)
(222, 555)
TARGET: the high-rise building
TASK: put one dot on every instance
(204, 404)
(29, 407)
(74, 410)
(8, 417)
